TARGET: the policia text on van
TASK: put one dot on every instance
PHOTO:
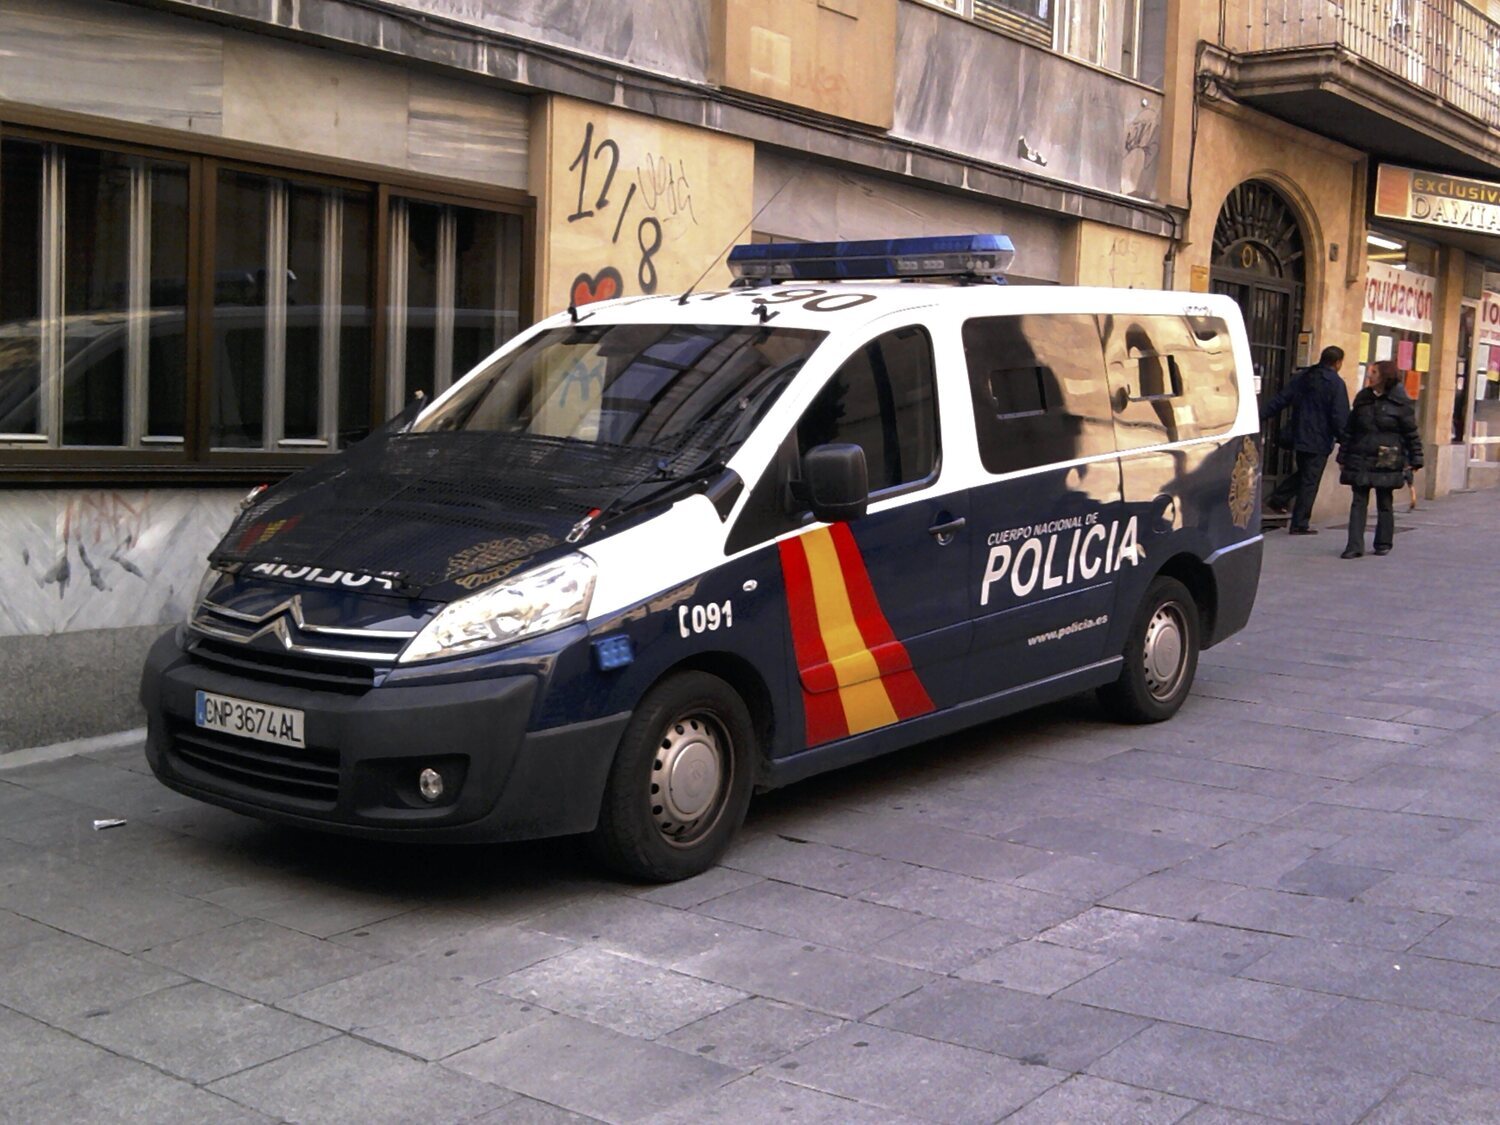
(659, 552)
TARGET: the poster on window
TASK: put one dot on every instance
(1397, 298)
(1489, 318)
(638, 205)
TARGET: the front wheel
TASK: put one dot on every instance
(1161, 657)
(680, 784)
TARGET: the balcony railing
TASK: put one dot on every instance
(1445, 47)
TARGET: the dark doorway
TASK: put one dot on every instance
(1257, 260)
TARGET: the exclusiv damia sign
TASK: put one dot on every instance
(1437, 200)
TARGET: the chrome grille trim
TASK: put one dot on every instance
(285, 623)
(293, 606)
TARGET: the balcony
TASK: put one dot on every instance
(1410, 80)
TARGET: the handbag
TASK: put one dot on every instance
(1389, 457)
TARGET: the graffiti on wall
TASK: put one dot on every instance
(98, 532)
(104, 559)
(640, 205)
(1142, 147)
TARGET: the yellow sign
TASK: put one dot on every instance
(637, 205)
(1199, 282)
(1437, 200)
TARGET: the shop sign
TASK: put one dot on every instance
(1489, 318)
(1399, 298)
(1437, 200)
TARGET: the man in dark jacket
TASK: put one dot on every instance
(1320, 407)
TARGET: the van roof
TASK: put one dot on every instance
(838, 306)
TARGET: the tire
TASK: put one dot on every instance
(1161, 657)
(680, 783)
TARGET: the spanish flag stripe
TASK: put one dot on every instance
(890, 655)
(855, 675)
(872, 623)
(906, 692)
(866, 705)
(823, 713)
(851, 658)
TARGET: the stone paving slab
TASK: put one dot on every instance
(592, 1070)
(1085, 1098)
(754, 1098)
(378, 1005)
(1283, 905)
(1030, 1029)
(344, 1080)
(617, 992)
(1264, 1078)
(102, 1089)
(199, 1032)
(918, 1076)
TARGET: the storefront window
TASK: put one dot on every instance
(1484, 436)
(200, 311)
(455, 293)
(291, 321)
(93, 265)
(21, 166)
(1399, 303)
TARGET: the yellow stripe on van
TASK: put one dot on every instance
(861, 692)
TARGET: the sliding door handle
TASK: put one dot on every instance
(944, 532)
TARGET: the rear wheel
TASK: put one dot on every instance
(1161, 657)
(680, 784)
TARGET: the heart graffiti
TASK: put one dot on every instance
(602, 286)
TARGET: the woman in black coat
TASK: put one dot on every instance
(1379, 442)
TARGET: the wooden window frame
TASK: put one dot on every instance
(194, 462)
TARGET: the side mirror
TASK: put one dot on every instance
(835, 484)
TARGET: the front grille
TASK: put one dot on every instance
(284, 668)
(307, 777)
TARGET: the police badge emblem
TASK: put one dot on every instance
(1242, 483)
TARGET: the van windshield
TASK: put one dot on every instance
(651, 386)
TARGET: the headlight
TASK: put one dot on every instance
(535, 601)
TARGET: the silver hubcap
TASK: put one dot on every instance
(688, 778)
(1165, 651)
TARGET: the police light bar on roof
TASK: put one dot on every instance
(966, 255)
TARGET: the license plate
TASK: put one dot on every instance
(248, 719)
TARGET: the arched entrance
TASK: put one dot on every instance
(1257, 260)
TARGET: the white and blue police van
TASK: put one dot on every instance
(658, 553)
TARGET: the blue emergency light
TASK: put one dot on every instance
(963, 255)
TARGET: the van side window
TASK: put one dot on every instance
(883, 399)
(1171, 378)
(1038, 390)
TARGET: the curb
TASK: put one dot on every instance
(15, 759)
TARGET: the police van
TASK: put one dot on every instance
(658, 553)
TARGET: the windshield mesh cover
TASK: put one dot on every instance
(477, 487)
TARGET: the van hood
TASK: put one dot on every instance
(436, 515)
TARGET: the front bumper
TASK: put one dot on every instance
(364, 751)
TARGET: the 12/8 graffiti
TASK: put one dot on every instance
(657, 187)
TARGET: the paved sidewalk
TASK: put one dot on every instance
(1285, 903)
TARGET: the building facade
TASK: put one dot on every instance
(237, 235)
(1340, 160)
